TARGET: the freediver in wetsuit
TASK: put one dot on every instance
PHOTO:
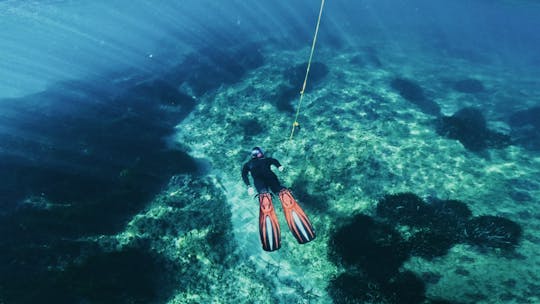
(261, 172)
(265, 180)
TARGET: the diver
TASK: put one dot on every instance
(265, 180)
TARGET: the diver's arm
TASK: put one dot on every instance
(274, 162)
(245, 171)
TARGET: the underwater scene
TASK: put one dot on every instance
(338, 151)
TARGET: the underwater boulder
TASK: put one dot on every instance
(413, 93)
(493, 232)
(469, 85)
(468, 125)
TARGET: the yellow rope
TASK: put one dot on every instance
(295, 123)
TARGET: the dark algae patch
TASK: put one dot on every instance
(469, 127)
(412, 92)
(373, 249)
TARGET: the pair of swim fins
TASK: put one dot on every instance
(297, 220)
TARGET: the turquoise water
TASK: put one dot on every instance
(124, 126)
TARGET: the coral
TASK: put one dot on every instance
(469, 85)
(493, 232)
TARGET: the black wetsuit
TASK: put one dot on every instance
(263, 177)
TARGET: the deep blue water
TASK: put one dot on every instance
(90, 94)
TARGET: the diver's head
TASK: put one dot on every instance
(257, 152)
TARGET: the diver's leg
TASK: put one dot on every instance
(269, 230)
(260, 186)
(297, 220)
(275, 185)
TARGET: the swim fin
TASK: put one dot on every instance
(268, 224)
(297, 220)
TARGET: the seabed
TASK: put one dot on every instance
(358, 141)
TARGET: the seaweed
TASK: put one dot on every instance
(372, 251)
(493, 232)
(404, 208)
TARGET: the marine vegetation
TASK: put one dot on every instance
(373, 249)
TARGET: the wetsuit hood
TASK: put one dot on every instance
(257, 152)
